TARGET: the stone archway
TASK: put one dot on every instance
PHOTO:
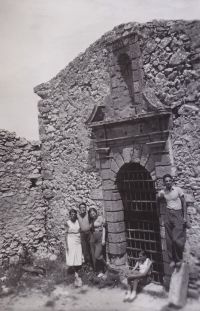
(141, 215)
(143, 139)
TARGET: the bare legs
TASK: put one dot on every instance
(133, 281)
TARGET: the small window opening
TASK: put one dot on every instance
(33, 182)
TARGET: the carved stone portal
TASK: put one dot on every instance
(132, 150)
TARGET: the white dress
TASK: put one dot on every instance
(74, 253)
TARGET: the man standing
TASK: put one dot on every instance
(176, 220)
(85, 232)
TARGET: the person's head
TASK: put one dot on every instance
(167, 181)
(73, 214)
(82, 208)
(92, 213)
(142, 256)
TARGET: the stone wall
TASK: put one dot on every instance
(22, 209)
(170, 61)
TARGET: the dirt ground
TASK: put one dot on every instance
(66, 297)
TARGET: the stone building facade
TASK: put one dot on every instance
(22, 208)
(117, 118)
(130, 103)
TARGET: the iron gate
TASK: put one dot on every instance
(141, 216)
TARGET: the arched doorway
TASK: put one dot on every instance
(138, 195)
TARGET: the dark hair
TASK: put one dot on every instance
(142, 252)
(72, 210)
(90, 210)
(82, 204)
(167, 175)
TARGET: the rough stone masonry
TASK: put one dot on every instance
(170, 63)
(22, 221)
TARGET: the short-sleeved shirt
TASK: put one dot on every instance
(142, 266)
(172, 197)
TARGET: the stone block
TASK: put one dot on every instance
(135, 51)
(153, 175)
(108, 185)
(107, 195)
(135, 64)
(144, 158)
(96, 194)
(98, 164)
(162, 170)
(119, 160)
(138, 98)
(137, 151)
(162, 159)
(105, 174)
(112, 176)
(117, 248)
(136, 86)
(116, 237)
(116, 196)
(116, 227)
(114, 167)
(150, 165)
(115, 216)
(136, 75)
(179, 286)
(127, 154)
(113, 206)
(105, 163)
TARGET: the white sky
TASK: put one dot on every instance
(40, 37)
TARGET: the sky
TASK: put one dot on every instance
(40, 37)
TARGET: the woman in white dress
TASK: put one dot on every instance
(73, 244)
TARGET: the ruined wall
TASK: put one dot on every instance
(170, 58)
(22, 210)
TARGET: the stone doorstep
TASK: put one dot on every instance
(155, 290)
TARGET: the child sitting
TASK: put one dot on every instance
(139, 276)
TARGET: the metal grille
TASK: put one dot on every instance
(141, 216)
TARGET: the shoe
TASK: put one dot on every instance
(100, 275)
(172, 264)
(127, 296)
(77, 281)
(132, 296)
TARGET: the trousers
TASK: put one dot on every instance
(85, 242)
(96, 248)
(175, 231)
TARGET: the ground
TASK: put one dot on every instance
(66, 297)
(50, 287)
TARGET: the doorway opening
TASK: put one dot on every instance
(137, 190)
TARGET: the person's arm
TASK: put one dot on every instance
(66, 236)
(184, 208)
(135, 267)
(160, 195)
(103, 232)
(103, 236)
(144, 273)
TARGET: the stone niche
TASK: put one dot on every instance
(133, 130)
